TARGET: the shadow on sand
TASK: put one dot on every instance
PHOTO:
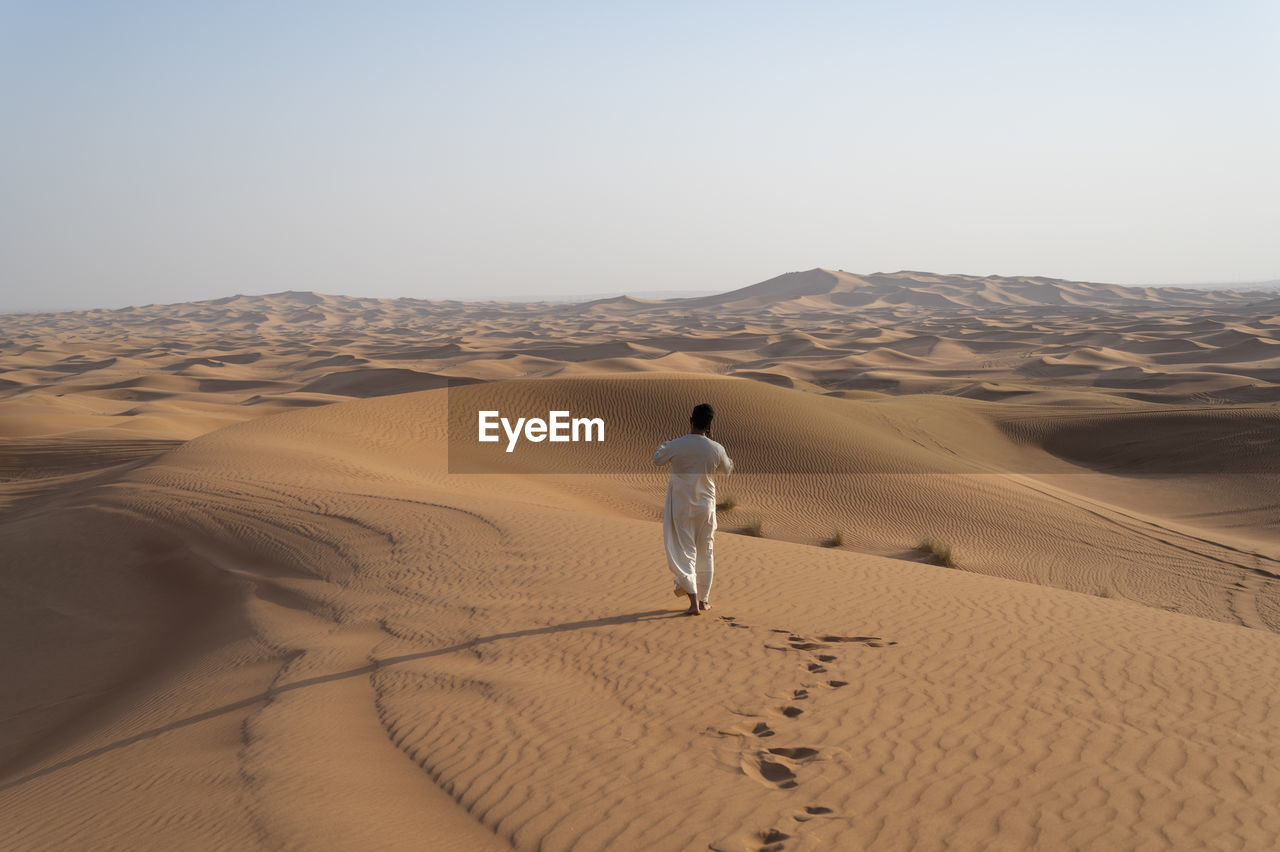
(608, 621)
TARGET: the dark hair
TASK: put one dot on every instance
(702, 416)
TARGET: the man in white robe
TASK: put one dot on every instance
(689, 517)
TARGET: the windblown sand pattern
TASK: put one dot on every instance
(225, 629)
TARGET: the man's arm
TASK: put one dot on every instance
(726, 463)
(663, 454)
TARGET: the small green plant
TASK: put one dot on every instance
(727, 504)
(937, 550)
(837, 539)
(754, 527)
(1105, 593)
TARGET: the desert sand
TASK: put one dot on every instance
(250, 599)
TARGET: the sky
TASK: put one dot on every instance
(171, 151)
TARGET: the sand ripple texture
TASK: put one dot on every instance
(303, 632)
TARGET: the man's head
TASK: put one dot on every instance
(702, 416)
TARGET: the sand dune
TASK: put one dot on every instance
(1216, 346)
(253, 598)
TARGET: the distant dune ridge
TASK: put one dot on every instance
(247, 603)
(817, 288)
(820, 330)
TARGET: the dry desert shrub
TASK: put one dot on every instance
(937, 550)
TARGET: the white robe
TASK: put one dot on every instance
(689, 517)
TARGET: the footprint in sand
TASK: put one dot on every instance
(802, 643)
(760, 729)
(790, 712)
(798, 753)
(773, 840)
(776, 767)
(870, 641)
(772, 773)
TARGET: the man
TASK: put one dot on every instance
(689, 517)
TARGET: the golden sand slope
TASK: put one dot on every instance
(302, 631)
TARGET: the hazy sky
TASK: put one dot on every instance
(166, 151)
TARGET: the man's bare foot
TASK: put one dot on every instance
(693, 607)
(704, 606)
